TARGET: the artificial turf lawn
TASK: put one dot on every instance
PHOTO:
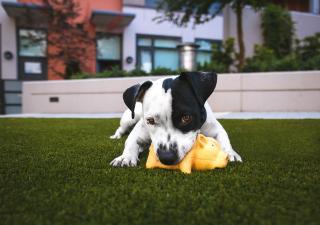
(56, 171)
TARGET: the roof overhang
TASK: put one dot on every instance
(111, 21)
(26, 13)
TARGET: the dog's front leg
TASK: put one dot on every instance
(133, 146)
(213, 128)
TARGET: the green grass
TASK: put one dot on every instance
(56, 171)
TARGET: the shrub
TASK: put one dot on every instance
(308, 47)
(163, 71)
(223, 57)
(277, 30)
(264, 59)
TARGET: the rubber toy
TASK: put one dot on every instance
(206, 154)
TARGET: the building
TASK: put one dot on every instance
(122, 33)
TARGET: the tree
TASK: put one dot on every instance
(181, 12)
(70, 40)
(70, 37)
(277, 30)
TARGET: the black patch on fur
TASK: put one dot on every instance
(134, 94)
(166, 84)
(189, 93)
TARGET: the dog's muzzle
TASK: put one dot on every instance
(168, 156)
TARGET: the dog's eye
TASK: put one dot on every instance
(186, 119)
(151, 121)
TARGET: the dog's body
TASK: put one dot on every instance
(172, 113)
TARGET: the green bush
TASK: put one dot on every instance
(308, 52)
(264, 59)
(306, 56)
(163, 71)
(223, 57)
(277, 30)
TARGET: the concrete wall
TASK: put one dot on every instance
(252, 92)
(144, 24)
(8, 43)
(306, 24)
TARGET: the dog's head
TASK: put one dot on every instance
(173, 111)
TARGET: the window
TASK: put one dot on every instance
(108, 51)
(204, 52)
(214, 8)
(32, 54)
(155, 52)
(152, 3)
(32, 43)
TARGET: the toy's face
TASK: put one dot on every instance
(173, 118)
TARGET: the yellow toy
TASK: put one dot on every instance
(205, 154)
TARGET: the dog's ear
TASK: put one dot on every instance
(134, 94)
(202, 84)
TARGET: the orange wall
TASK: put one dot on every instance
(88, 62)
(113, 5)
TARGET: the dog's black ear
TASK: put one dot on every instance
(202, 84)
(134, 94)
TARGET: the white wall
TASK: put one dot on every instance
(143, 24)
(246, 92)
(8, 43)
(306, 24)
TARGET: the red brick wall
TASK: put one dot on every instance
(88, 61)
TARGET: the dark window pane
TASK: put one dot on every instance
(144, 42)
(203, 57)
(32, 43)
(108, 47)
(165, 43)
(214, 8)
(152, 3)
(204, 44)
(103, 65)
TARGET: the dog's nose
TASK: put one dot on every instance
(167, 157)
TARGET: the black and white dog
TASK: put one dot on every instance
(173, 112)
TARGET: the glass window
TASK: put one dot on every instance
(152, 3)
(32, 43)
(204, 52)
(203, 57)
(108, 47)
(165, 43)
(146, 60)
(155, 52)
(144, 42)
(167, 59)
(214, 8)
(204, 44)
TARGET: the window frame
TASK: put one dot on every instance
(152, 48)
(21, 59)
(109, 60)
(219, 42)
(35, 29)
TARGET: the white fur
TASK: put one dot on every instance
(158, 104)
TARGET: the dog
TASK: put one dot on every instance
(170, 113)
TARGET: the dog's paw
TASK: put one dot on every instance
(115, 136)
(234, 157)
(124, 161)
